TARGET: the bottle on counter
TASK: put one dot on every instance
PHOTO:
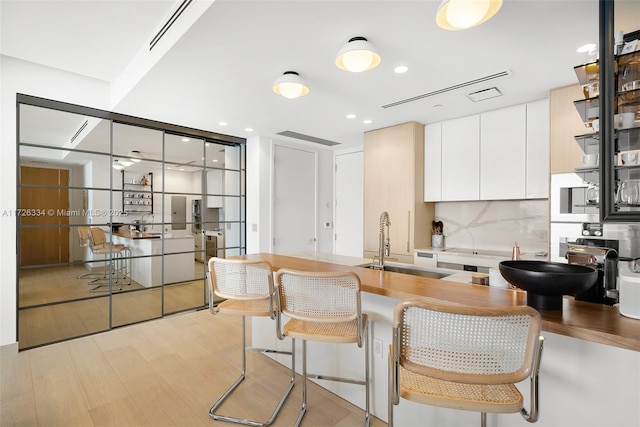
(515, 253)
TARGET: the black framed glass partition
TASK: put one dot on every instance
(118, 217)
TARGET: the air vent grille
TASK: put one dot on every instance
(84, 125)
(307, 138)
(449, 89)
(169, 23)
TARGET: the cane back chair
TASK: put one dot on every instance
(247, 289)
(323, 307)
(466, 358)
(120, 266)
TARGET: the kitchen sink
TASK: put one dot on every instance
(411, 271)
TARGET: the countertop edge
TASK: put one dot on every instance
(587, 321)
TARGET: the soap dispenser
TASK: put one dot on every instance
(515, 253)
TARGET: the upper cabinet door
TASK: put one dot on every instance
(502, 153)
(537, 186)
(460, 154)
(433, 162)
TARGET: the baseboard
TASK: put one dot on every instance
(8, 350)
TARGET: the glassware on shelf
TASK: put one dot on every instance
(593, 194)
(628, 192)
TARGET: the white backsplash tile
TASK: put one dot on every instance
(496, 225)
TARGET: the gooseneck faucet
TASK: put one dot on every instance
(383, 243)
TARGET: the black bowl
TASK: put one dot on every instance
(116, 225)
(546, 282)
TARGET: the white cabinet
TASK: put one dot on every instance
(460, 155)
(497, 155)
(502, 153)
(537, 182)
(433, 162)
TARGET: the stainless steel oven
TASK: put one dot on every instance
(569, 201)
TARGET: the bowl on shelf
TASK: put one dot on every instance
(546, 282)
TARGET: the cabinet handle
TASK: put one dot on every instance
(408, 229)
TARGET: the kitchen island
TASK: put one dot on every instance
(147, 250)
(591, 359)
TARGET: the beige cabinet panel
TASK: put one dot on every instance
(565, 123)
(393, 172)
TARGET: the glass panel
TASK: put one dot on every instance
(133, 307)
(163, 204)
(184, 245)
(42, 325)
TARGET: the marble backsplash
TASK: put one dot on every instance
(496, 224)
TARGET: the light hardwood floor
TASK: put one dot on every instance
(83, 312)
(165, 372)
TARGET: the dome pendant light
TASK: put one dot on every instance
(290, 85)
(357, 55)
(463, 14)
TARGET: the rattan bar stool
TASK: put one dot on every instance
(247, 286)
(323, 307)
(119, 253)
(84, 240)
(467, 358)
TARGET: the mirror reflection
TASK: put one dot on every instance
(119, 222)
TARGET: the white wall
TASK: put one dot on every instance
(24, 77)
(259, 193)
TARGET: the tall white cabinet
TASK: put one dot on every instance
(460, 154)
(497, 155)
(503, 153)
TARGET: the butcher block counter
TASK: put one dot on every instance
(587, 321)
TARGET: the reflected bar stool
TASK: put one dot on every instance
(466, 358)
(120, 253)
(247, 286)
(323, 307)
(84, 239)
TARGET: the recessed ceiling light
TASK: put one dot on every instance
(207, 144)
(437, 106)
(222, 123)
(586, 47)
(203, 158)
(185, 139)
(401, 69)
(181, 169)
(215, 160)
(248, 129)
(351, 116)
(366, 121)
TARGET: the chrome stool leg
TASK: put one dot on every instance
(241, 378)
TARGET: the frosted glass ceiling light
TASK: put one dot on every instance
(462, 14)
(290, 85)
(357, 55)
(117, 165)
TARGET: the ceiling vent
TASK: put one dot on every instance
(181, 8)
(75, 136)
(481, 95)
(450, 88)
(307, 138)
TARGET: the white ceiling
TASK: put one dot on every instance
(223, 67)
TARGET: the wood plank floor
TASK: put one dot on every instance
(165, 372)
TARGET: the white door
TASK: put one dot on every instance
(349, 190)
(294, 200)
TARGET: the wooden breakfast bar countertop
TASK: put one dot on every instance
(587, 321)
